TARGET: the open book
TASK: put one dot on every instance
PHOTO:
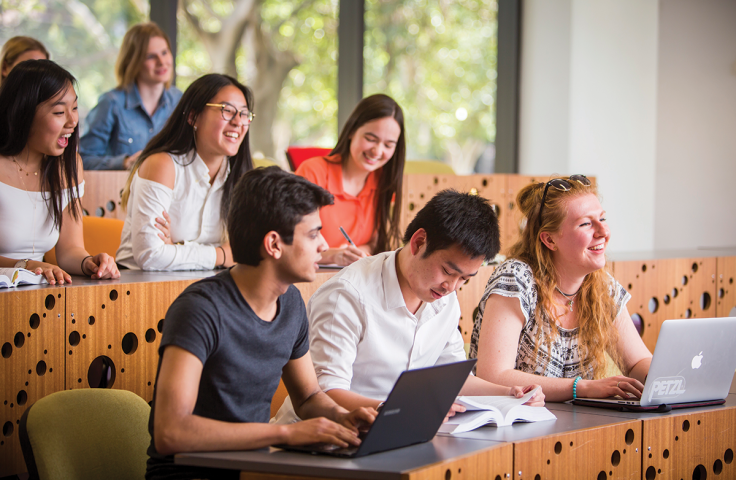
(499, 411)
(12, 277)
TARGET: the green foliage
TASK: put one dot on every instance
(438, 60)
(81, 35)
(308, 101)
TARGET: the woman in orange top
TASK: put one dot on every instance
(364, 172)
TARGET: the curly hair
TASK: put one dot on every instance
(596, 307)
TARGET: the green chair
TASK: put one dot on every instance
(427, 166)
(86, 434)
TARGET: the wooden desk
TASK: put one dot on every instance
(684, 443)
(443, 457)
(576, 445)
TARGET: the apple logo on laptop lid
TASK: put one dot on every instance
(697, 359)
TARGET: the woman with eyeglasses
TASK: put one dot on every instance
(551, 312)
(178, 192)
(127, 116)
(364, 172)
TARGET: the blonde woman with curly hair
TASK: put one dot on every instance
(551, 312)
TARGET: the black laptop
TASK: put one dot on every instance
(413, 412)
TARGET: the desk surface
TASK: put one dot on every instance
(385, 465)
(136, 276)
(394, 463)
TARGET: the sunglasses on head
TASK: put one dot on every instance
(563, 186)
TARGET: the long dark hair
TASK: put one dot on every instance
(177, 136)
(28, 85)
(391, 178)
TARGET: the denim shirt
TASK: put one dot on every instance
(119, 126)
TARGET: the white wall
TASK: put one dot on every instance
(588, 104)
(695, 201)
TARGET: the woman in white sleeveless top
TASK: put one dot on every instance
(178, 192)
(41, 178)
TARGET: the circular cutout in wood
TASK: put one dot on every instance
(101, 372)
(700, 473)
(50, 302)
(705, 301)
(35, 321)
(653, 305)
(19, 340)
(130, 343)
(41, 368)
(651, 473)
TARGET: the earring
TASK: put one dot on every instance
(195, 128)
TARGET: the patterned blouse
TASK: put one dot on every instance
(515, 279)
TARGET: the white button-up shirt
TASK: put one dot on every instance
(194, 208)
(362, 336)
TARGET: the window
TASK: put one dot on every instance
(438, 61)
(83, 36)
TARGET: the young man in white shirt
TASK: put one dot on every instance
(398, 310)
(228, 339)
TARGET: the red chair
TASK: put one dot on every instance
(296, 155)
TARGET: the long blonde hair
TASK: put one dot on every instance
(133, 52)
(596, 306)
(17, 46)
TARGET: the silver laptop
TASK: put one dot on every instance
(693, 365)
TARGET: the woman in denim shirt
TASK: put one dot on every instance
(127, 117)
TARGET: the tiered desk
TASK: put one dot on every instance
(106, 333)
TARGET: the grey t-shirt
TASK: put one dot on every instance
(242, 355)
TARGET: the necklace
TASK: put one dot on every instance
(20, 169)
(570, 297)
(33, 225)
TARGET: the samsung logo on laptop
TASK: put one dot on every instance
(393, 411)
(666, 387)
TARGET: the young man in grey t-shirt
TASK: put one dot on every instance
(229, 338)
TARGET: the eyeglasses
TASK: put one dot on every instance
(563, 186)
(229, 112)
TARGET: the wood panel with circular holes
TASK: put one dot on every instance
(604, 453)
(667, 289)
(102, 193)
(699, 445)
(418, 189)
(32, 338)
(495, 463)
(725, 288)
(113, 333)
(468, 296)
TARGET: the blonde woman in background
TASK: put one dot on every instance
(128, 116)
(551, 312)
(19, 49)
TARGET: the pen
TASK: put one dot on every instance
(347, 237)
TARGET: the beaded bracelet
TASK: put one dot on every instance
(575, 387)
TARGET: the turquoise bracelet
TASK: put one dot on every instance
(575, 387)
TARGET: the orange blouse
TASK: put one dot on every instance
(355, 214)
